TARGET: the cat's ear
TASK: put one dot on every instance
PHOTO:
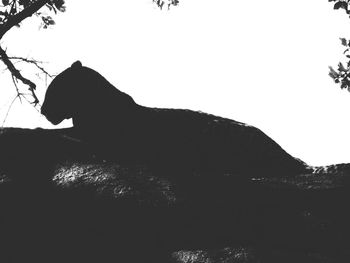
(76, 64)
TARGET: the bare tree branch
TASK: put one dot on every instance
(19, 94)
(36, 63)
(12, 14)
(17, 74)
(18, 18)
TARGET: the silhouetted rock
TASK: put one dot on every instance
(61, 203)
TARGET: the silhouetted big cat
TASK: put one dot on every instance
(113, 123)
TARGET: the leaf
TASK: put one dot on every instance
(59, 4)
(49, 6)
(332, 73)
(24, 3)
(344, 42)
(47, 20)
(340, 5)
(341, 67)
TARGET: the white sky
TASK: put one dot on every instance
(264, 63)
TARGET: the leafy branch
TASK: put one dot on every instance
(12, 13)
(341, 4)
(341, 74)
(169, 3)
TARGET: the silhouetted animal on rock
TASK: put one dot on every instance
(110, 120)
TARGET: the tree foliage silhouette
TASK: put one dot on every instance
(341, 74)
(12, 13)
(168, 3)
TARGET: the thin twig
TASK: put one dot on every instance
(38, 104)
(14, 80)
(8, 110)
(34, 62)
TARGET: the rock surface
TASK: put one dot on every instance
(62, 203)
